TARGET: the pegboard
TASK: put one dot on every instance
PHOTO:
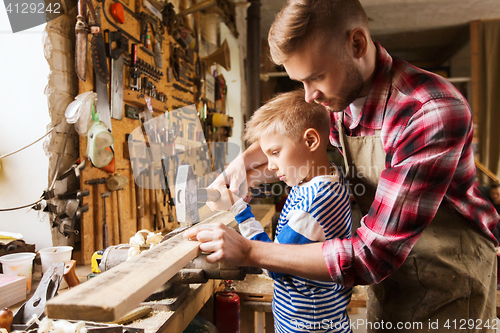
(180, 84)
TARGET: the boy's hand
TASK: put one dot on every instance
(226, 200)
(224, 243)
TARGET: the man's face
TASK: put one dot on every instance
(495, 195)
(287, 159)
(330, 80)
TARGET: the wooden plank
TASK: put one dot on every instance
(177, 321)
(114, 293)
(486, 171)
(188, 310)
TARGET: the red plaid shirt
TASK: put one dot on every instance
(426, 131)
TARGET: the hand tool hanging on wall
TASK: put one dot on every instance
(98, 48)
(95, 204)
(181, 88)
(116, 55)
(117, 183)
(76, 168)
(81, 31)
(105, 224)
(135, 77)
(129, 36)
(146, 18)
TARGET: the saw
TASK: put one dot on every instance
(98, 48)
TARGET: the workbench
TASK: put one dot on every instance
(198, 295)
(177, 321)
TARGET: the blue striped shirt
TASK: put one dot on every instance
(314, 212)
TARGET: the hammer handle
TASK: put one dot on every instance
(209, 195)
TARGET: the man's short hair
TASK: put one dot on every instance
(302, 20)
(494, 185)
(290, 115)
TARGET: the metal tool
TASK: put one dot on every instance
(158, 38)
(139, 197)
(76, 168)
(81, 31)
(181, 88)
(135, 77)
(73, 195)
(117, 183)
(95, 183)
(102, 104)
(117, 58)
(105, 224)
(98, 48)
(35, 306)
(116, 26)
(187, 195)
(152, 196)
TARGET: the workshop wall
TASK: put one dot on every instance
(122, 215)
(23, 176)
(236, 84)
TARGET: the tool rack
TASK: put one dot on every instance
(178, 93)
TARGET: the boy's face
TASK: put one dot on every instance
(495, 195)
(290, 161)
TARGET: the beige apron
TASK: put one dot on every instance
(448, 281)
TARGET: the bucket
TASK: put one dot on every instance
(20, 264)
(54, 254)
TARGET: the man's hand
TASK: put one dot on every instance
(235, 176)
(224, 243)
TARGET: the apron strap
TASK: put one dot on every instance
(340, 125)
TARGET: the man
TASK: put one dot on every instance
(425, 244)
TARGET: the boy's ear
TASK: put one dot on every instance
(312, 139)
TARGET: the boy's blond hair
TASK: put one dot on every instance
(328, 21)
(290, 115)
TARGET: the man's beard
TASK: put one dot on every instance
(350, 90)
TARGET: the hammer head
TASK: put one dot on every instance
(186, 195)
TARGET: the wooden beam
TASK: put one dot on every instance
(116, 292)
(486, 171)
(475, 73)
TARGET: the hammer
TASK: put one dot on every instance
(98, 236)
(187, 195)
(117, 183)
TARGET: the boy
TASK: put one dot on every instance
(294, 136)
